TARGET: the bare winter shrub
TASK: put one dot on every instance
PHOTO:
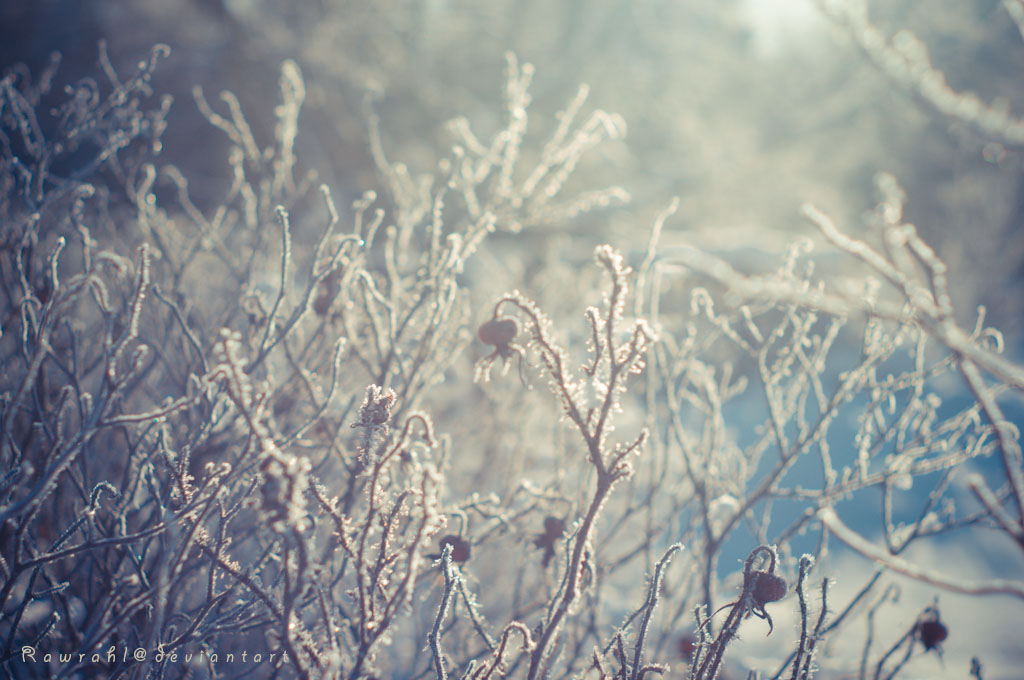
(272, 437)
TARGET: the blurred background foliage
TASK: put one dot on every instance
(742, 108)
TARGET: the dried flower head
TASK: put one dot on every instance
(374, 414)
(375, 411)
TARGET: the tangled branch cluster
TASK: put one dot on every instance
(215, 440)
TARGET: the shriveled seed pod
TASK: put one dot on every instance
(768, 588)
(499, 332)
(329, 289)
(932, 633)
(685, 646)
(554, 526)
(460, 548)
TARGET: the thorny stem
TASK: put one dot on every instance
(434, 638)
(604, 484)
(608, 467)
(805, 649)
(806, 562)
(652, 601)
(709, 667)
